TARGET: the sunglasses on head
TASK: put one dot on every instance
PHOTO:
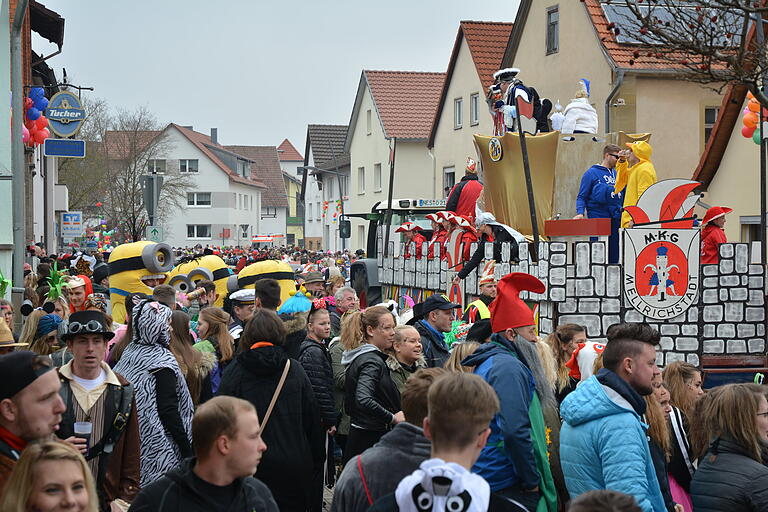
(90, 326)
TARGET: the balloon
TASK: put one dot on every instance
(40, 135)
(36, 92)
(30, 125)
(753, 106)
(28, 103)
(24, 134)
(33, 114)
(41, 122)
(41, 103)
(756, 137)
(750, 95)
(750, 120)
(747, 132)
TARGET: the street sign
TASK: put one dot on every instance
(65, 114)
(71, 224)
(66, 148)
(154, 234)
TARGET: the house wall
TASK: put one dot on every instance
(673, 111)
(225, 210)
(414, 175)
(555, 76)
(294, 222)
(737, 183)
(275, 226)
(313, 199)
(453, 146)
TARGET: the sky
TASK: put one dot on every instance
(258, 71)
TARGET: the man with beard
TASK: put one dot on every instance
(515, 460)
(603, 442)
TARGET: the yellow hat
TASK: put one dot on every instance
(6, 336)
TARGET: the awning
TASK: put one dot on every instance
(47, 23)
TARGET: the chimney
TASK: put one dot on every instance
(214, 135)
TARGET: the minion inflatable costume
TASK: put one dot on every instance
(130, 265)
(185, 276)
(267, 269)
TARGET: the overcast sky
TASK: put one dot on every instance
(259, 71)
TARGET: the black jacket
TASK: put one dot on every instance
(314, 357)
(727, 479)
(680, 465)
(295, 332)
(180, 490)
(294, 437)
(436, 352)
(660, 465)
(500, 235)
(371, 396)
(453, 198)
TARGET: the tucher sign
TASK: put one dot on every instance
(65, 114)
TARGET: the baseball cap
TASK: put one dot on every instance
(20, 369)
(436, 301)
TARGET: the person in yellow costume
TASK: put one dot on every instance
(634, 171)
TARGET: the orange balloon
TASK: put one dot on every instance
(750, 95)
(750, 120)
(753, 106)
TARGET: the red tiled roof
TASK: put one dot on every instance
(121, 144)
(266, 169)
(202, 141)
(288, 153)
(487, 42)
(405, 101)
(624, 55)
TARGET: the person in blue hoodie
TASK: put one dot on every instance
(515, 461)
(603, 442)
(597, 199)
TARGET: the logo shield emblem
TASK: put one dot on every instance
(661, 270)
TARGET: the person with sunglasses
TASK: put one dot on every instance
(598, 200)
(95, 394)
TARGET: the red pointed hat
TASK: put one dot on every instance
(408, 226)
(508, 311)
(715, 212)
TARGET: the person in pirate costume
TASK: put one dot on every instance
(478, 309)
(94, 393)
(515, 461)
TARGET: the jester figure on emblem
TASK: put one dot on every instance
(661, 275)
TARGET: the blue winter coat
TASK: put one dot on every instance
(507, 458)
(596, 194)
(603, 445)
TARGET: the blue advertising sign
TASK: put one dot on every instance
(66, 148)
(65, 114)
(71, 224)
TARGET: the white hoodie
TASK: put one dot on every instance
(580, 116)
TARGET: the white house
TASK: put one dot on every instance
(325, 185)
(223, 207)
(391, 105)
(462, 111)
(274, 201)
(291, 160)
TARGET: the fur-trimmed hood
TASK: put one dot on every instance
(294, 322)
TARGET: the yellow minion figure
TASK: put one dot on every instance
(185, 276)
(136, 268)
(267, 269)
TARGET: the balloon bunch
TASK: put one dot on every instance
(751, 118)
(325, 208)
(337, 210)
(35, 129)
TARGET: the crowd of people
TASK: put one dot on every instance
(267, 403)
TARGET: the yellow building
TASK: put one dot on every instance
(295, 220)
(631, 89)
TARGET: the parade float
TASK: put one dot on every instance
(708, 315)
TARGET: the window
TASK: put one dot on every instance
(251, 201)
(291, 238)
(474, 107)
(188, 165)
(361, 241)
(198, 199)
(377, 177)
(368, 121)
(361, 180)
(710, 116)
(156, 166)
(309, 212)
(245, 201)
(449, 178)
(457, 118)
(553, 30)
(268, 213)
(199, 231)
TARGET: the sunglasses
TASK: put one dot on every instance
(90, 326)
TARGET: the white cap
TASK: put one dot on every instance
(244, 296)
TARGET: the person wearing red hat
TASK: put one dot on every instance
(713, 234)
(515, 461)
(478, 309)
(468, 236)
(438, 233)
(412, 236)
(462, 199)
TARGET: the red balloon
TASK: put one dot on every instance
(747, 131)
(40, 135)
(28, 103)
(31, 126)
(41, 122)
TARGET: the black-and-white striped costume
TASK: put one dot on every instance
(147, 353)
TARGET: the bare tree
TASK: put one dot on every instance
(133, 143)
(713, 42)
